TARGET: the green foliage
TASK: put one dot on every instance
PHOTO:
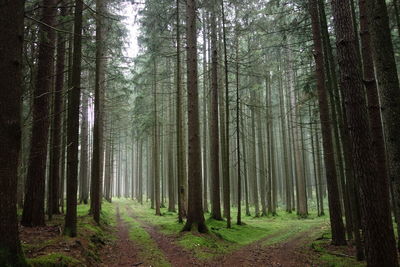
(54, 260)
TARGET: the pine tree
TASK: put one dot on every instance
(11, 39)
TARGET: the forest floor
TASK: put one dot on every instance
(131, 235)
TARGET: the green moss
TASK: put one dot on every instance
(11, 259)
(149, 252)
(82, 210)
(221, 240)
(87, 229)
(205, 246)
(28, 247)
(330, 260)
(54, 260)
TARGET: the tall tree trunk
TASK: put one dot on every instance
(73, 125)
(263, 172)
(140, 172)
(254, 184)
(33, 213)
(286, 170)
(238, 129)
(338, 231)
(195, 205)
(245, 166)
(205, 112)
(389, 90)
(170, 155)
(156, 155)
(273, 176)
(179, 124)
(379, 238)
(214, 138)
(54, 175)
(226, 176)
(11, 40)
(84, 150)
(97, 162)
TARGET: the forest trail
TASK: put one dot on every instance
(176, 255)
(288, 252)
(124, 252)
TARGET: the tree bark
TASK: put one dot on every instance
(84, 151)
(179, 125)
(195, 216)
(33, 213)
(379, 238)
(73, 125)
(226, 174)
(97, 162)
(389, 90)
(335, 211)
(11, 41)
(54, 175)
(214, 138)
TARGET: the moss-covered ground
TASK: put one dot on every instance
(220, 240)
(267, 231)
(47, 247)
(331, 256)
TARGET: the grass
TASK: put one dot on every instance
(54, 260)
(328, 257)
(149, 251)
(220, 239)
(90, 235)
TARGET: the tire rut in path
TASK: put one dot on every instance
(176, 255)
(123, 252)
(288, 253)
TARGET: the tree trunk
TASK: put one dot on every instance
(226, 176)
(338, 231)
(195, 205)
(84, 150)
(254, 184)
(238, 129)
(379, 238)
(11, 40)
(33, 213)
(205, 112)
(179, 124)
(156, 156)
(97, 162)
(389, 90)
(214, 138)
(54, 175)
(263, 172)
(73, 125)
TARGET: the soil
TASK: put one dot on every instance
(288, 253)
(176, 255)
(40, 241)
(123, 252)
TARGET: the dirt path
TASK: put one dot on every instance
(123, 252)
(289, 253)
(176, 255)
